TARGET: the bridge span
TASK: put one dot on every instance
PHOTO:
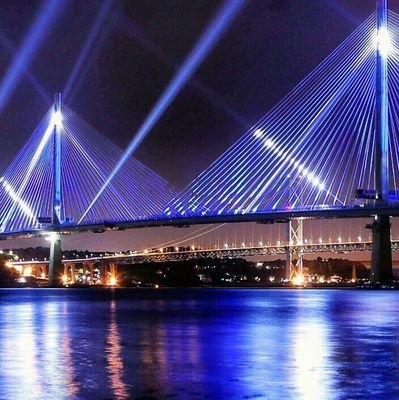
(109, 262)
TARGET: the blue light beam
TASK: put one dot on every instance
(217, 101)
(46, 17)
(87, 47)
(10, 49)
(201, 49)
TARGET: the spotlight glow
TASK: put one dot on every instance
(52, 237)
(57, 118)
(258, 133)
(269, 143)
(383, 42)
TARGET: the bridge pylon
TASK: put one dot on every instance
(381, 258)
(55, 260)
(55, 268)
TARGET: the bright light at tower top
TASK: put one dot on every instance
(57, 118)
(383, 41)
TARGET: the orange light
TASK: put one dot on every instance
(298, 280)
(112, 281)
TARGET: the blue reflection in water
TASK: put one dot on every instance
(198, 344)
(34, 351)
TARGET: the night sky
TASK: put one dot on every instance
(268, 49)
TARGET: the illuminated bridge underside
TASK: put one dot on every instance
(314, 148)
(265, 218)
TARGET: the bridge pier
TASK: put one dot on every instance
(55, 268)
(381, 252)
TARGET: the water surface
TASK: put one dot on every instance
(198, 344)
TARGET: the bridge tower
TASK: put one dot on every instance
(294, 268)
(381, 259)
(55, 260)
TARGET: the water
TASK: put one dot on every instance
(199, 344)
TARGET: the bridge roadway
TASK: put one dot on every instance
(160, 255)
(275, 216)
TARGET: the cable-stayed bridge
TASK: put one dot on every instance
(329, 149)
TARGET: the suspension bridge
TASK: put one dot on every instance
(329, 149)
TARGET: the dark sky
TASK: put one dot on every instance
(269, 48)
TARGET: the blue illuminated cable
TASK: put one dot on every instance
(204, 45)
(247, 151)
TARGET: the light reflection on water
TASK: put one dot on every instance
(198, 344)
(113, 353)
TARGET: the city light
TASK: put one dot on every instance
(298, 279)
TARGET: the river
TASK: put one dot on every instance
(198, 344)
